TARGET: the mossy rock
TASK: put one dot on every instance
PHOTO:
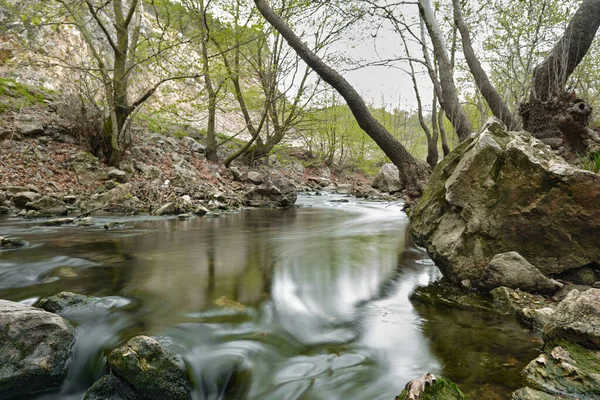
(565, 369)
(441, 389)
(446, 294)
(154, 373)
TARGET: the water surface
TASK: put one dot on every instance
(307, 303)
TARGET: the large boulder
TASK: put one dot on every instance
(502, 191)
(577, 319)
(35, 346)
(142, 369)
(388, 179)
(513, 271)
(279, 192)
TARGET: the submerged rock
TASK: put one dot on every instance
(67, 301)
(577, 319)
(388, 179)
(430, 387)
(443, 293)
(12, 243)
(35, 346)
(513, 271)
(502, 191)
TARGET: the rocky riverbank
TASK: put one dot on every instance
(46, 174)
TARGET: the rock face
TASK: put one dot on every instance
(577, 319)
(388, 179)
(513, 271)
(279, 192)
(142, 369)
(34, 349)
(499, 192)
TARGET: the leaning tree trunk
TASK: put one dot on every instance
(451, 103)
(547, 102)
(490, 94)
(413, 172)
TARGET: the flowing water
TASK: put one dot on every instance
(307, 303)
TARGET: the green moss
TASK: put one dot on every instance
(24, 94)
(442, 389)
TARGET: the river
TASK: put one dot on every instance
(307, 303)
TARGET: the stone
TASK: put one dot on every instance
(235, 173)
(192, 145)
(152, 173)
(29, 127)
(502, 191)
(344, 188)
(441, 293)
(256, 178)
(57, 222)
(111, 387)
(117, 175)
(110, 185)
(21, 199)
(67, 301)
(319, 181)
(280, 192)
(581, 276)
(114, 199)
(430, 387)
(388, 179)
(12, 243)
(532, 394)
(513, 271)
(48, 206)
(150, 370)
(576, 319)
(201, 211)
(35, 347)
(114, 225)
(565, 369)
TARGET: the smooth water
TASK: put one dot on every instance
(307, 303)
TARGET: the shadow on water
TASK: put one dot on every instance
(308, 303)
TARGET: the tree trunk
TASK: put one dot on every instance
(445, 147)
(551, 75)
(413, 173)
(211, 141)
(451, 103)
(490, 94)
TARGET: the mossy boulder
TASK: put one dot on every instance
(150, 370)
(35, 347)
(502, 191)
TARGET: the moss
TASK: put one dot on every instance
(442, 389)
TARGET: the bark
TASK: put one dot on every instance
(451, 103)
(211, 141)
(551, 75)
(495, 101)
(445, 147)
(413, 173)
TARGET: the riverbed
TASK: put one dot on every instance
(306, 303)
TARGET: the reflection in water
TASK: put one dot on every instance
(309, 303)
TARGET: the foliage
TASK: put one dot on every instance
(591, 162)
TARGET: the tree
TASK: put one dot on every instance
(114, 26)
(548, 102)
(449, 95)
(495, 101)
(413, 173)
